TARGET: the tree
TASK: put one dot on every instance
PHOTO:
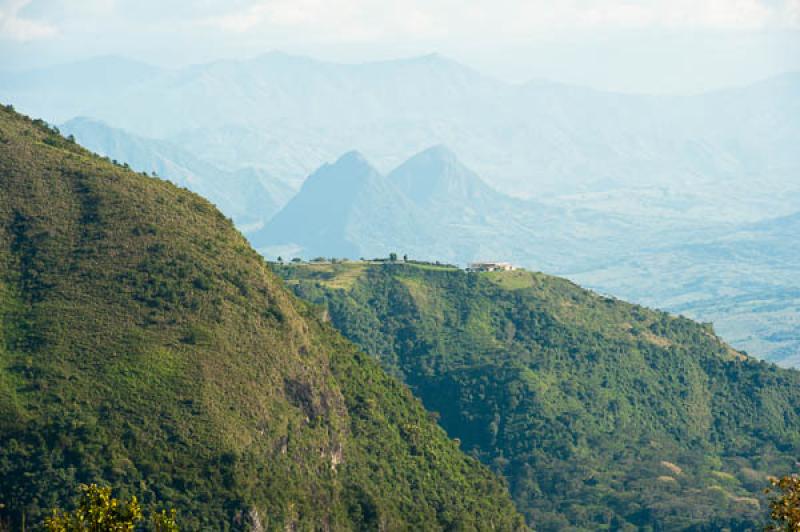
(392, 257)
(280, 259)
(165, 521)
(98, 511)
(785, 506)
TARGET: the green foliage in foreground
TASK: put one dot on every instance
(98, 511)
(146, 347)
(785, 505)
(601, 414)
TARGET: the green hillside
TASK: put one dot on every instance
(600, 413)
(144, 345)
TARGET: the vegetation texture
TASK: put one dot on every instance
(601, 414)
(145, 346)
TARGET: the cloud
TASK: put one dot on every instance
(358, 19)
(791, 13)
(340, 20)
(17, 28)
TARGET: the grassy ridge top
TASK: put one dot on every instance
(145, 345)
(602, 414)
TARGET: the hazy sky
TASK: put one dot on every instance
(628, 45)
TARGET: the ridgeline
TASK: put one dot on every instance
(601, 414)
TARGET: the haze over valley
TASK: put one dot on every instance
(612, 190)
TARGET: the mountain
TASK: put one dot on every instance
(436, 179)
(431, 207)
(248, 195)
(601, 414)
(741, 277)
(145, 345)
(343, 209)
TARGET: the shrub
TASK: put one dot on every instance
(98, 511)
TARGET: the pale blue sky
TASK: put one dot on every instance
(626, 45)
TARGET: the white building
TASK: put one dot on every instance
(491, 267)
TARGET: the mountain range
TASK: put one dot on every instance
(248, 195)
(611, 190)
(431, 207)
(291, 114)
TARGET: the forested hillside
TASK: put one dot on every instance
(144, 345)
(601, 414)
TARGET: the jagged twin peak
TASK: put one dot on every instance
(348, 208)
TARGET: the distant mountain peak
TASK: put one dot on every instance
(433, 57)
(348, 173)
(437, 172)
(341, 199)
(349, 166)
(428, 62)
(437, 153)
(279, 56)
(352, 157)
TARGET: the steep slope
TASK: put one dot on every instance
(145, 345)
(344, 209)
(248, 195)
(602, 414)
